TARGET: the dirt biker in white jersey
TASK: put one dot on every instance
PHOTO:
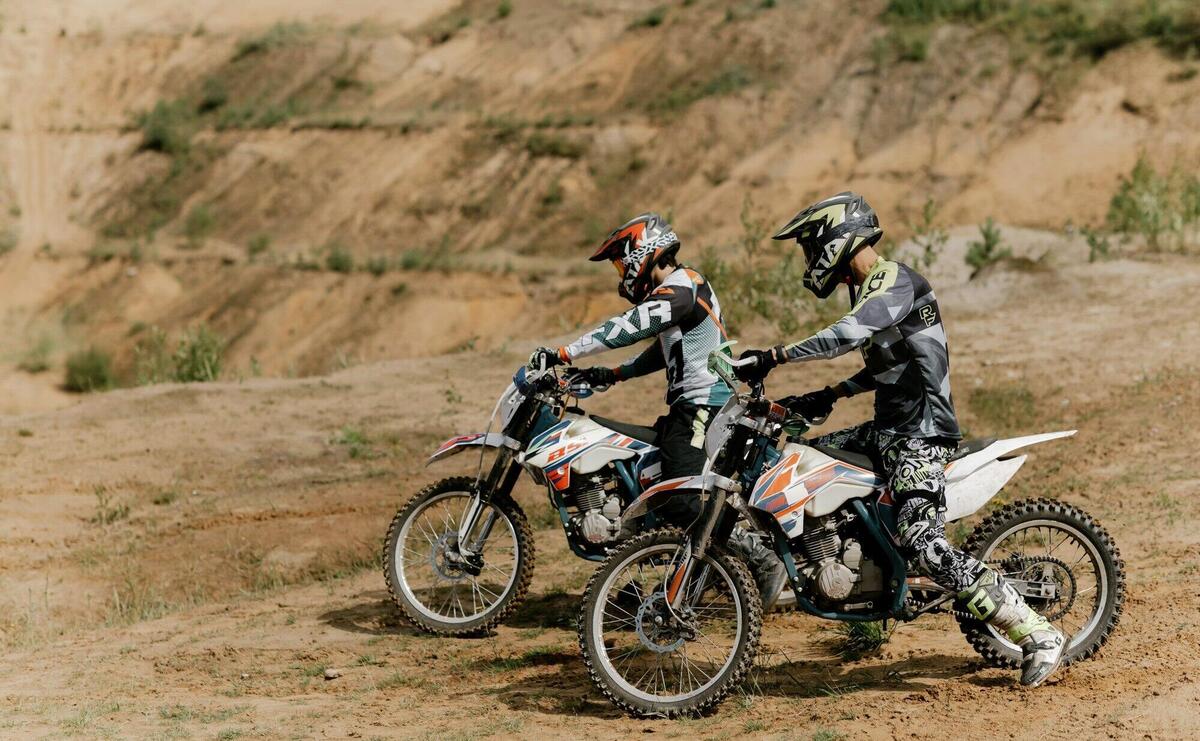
(676, 306)
(895, 321)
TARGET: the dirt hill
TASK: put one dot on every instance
(324, 184)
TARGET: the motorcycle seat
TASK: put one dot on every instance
(966, 447)
(846, 456)
(637, 432)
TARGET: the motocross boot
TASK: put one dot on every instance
(994, 601)
(769, 572)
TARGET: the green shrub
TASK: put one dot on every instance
(1162, 209)
(1099, 246)
(377, 266)
(198, 356)
(88, 370)
(763, 279)
(651, 19)
(338, 259)
(504, 9)
(927, 237)
(167, 127)
(199, 223)
(37, 358)
(988, 249)
(257, 245)
(213, 95)
(278, 36)
(8, 241)
(861, 639)
(152, 362)
(540, 144)
(727, 80)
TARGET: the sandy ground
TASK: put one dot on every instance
(243, 566)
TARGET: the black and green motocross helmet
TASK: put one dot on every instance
(831, 232)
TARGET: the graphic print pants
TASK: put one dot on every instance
(916, 472)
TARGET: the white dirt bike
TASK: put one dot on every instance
(670, 622)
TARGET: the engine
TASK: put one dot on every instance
(597, 519)
(834, 564)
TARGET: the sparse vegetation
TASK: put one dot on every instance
(504, 9)
(356, 442)
(198, 355)
(1002, 408)
(861, 639)
(37, 358)
(8, 241)
(167, 128)
(1162, 209)
(257, 245)
(654, 17)
(541, 144)
(199, 223)
(988, 249)
(1079, 27)
(338, 258)
(927, 237)
(377, 265)
(279, 35)
(727, 80)
(108, 510)
(88, 370)
(762, 279)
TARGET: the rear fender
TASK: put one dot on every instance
(659, 493)
(969, 464)
(456, 445)
(964, 497)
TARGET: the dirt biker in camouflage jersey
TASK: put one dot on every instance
(676, 306)
(894, 320)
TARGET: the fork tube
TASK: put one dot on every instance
(500, 480)
(695, 554)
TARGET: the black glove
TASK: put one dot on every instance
(597, 378)
(544, 356)
(813, 405)
(765, 361)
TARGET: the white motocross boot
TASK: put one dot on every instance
(996, 603)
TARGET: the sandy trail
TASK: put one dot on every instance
(258, 485)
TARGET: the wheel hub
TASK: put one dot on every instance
(657, 628)
(445, 559)
(1047, 583)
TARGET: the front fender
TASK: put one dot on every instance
(456, 445)
(659, 493)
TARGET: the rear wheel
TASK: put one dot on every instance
(652, 661)
(1065, 565)
(427, 575)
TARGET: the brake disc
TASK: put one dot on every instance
(656, 627)
(1032, 569)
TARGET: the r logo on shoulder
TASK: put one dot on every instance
(929, 314)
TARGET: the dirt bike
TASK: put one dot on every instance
(671, 620)
(458, 557)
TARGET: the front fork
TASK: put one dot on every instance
(500, 480)
(692, 569)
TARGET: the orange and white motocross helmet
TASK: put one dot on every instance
(634, 248)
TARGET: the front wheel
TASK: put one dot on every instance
(438, 589)
(652, 661)
(1065, 565)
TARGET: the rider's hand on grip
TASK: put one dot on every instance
(813, 405)
(764, 361)
(597, 378)
(543, 358)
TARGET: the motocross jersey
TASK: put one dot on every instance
(896, 323)
(685, 316)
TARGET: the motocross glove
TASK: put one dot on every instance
(597, 378)
(766, 360)
(544, 357)
(813, 405)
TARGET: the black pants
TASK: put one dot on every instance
(681, 445)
